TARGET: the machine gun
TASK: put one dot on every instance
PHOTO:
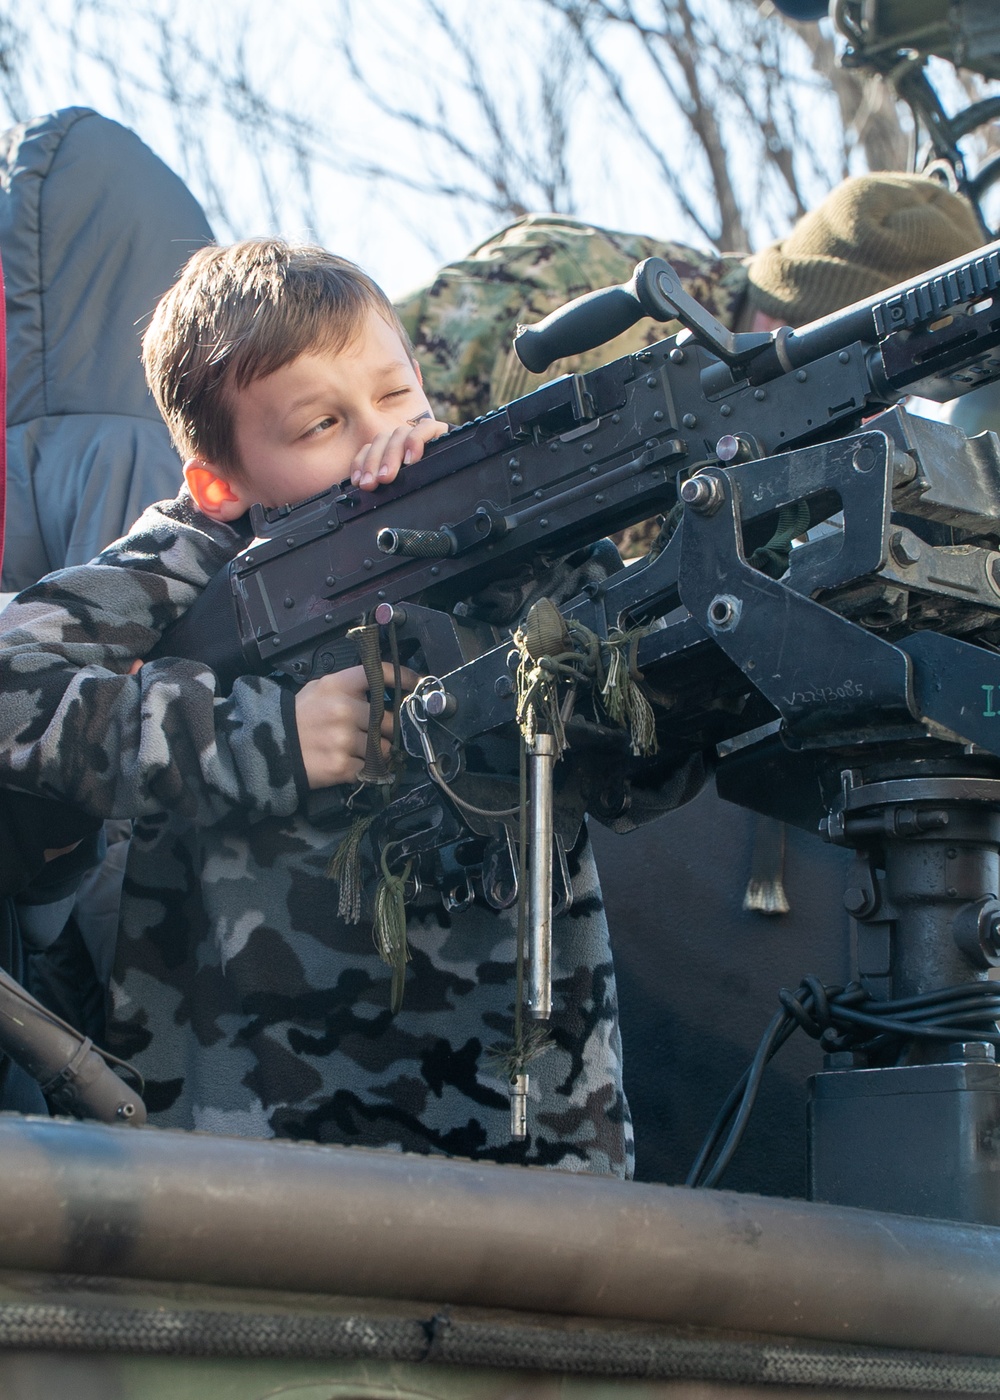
(579, 458)
(589, 454)
(850, 679)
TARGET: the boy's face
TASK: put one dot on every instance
(298, 430)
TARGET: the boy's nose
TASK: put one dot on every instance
(369, 425)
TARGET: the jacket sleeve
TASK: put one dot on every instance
(75, 725)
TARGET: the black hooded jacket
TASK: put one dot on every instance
(93, 230)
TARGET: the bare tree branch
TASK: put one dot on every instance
(871, 116)
(725, 120)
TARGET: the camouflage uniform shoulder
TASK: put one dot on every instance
(173, 540)
(79, 723)
(463, 322)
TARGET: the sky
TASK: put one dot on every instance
(392, 227)
(400, 235)
(118, 56)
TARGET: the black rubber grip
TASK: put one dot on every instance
(580, 325)
(416, 544)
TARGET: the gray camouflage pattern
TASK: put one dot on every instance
(249, 1007)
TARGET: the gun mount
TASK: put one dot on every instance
(826, 602)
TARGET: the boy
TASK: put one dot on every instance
(247, 1004)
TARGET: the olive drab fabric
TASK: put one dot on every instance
(247, 1004)
(869, 233)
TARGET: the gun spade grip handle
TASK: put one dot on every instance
(580, 325)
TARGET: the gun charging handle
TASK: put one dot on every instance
(655, 290)
(580, 325)
(65, 1063)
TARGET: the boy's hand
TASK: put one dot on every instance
(380, 461)
(331, 715)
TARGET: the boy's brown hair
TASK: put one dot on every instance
(238, 313)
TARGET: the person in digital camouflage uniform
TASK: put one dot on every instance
(870, 232)
(247, 1004)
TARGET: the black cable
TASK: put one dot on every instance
(845, 1019)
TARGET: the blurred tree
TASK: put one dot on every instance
(715, 121)
(725, 110)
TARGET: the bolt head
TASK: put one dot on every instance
(971, 1051)
(438, 704)
(856, 901)
(905, 549)
(701, 493)
(722, 612)
(991, 934)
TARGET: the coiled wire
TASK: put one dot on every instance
(846, 1019)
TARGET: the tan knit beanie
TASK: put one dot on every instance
(869, 233)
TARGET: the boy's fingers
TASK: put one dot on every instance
(427, 430)
(351, 681)
(418, 436)
(333, 714)
(392, 457)
(365, 465)
(381, 461)
(357, 466)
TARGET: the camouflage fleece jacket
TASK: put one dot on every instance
(249, 1007)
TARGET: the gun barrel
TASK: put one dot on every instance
(62, 1061)
(958, 286)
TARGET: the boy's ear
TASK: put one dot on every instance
(214, 495)
(419, 374)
